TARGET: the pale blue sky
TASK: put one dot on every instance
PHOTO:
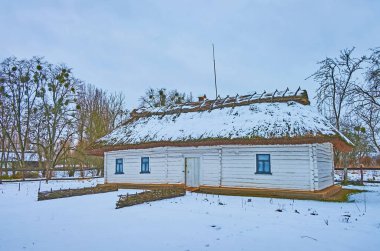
(132, 45)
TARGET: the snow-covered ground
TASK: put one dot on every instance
(77, 174)
(193, 222)
(354, 175)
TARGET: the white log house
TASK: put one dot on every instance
(268, 140)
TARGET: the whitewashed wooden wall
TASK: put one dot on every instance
(325, 164)
(292, 166)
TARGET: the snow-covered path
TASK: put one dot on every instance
(193, 222)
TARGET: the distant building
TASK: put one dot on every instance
(31, 159)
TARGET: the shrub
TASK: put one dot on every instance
(18, 175)
(31, 175)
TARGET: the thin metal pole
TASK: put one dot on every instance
(216, 87)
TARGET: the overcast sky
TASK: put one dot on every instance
(129, 46)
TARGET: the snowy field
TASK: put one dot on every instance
(354, 175)
(193, 222)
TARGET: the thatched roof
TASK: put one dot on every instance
(266, 118)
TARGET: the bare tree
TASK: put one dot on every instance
(44, 108)
(5, 147)
(337, 78)
(20, 82)
(6, 127)
(357, 132)
(369, 113)
(367, 98)
(161, 98)
(100, 113)
(57, 114)
(369, 91)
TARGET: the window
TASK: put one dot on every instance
(145, 165)
(263, 163)
(119, 166)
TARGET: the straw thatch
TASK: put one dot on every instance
(281, 117)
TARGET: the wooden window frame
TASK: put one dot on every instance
(257, 164)
(119, 167)
(144, 163)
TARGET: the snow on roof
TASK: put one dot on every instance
(271, 118)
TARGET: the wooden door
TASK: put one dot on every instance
(192, 171)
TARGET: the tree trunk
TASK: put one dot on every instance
(345, 179)
(47, 175)
(1, 173)
(345, 166)
(6, 169)
(13, 169)
(361, 175)
(344, 161)
(72, 171)
(82, 173)
(47, 172)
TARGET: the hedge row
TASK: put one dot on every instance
(63, 193)
(147, 196)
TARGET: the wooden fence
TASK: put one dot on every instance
(358, 168)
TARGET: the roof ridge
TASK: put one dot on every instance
(299, 96)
